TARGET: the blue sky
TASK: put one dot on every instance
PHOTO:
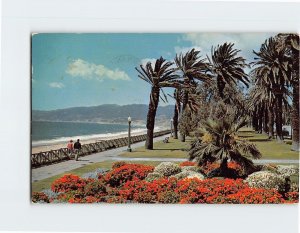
(70, 70)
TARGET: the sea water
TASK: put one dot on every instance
(44, 132)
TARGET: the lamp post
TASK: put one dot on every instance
(171, 127)
(129, 128)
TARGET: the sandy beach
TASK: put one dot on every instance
(55, 146)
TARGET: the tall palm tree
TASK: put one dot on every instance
(158, 76)
(271, 66)
(193, 68)
(291, 42)
(177, 109)
(218, 141)
(227, 67)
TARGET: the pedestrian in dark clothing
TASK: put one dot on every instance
(77, 148)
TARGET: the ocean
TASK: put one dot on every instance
(45, 133)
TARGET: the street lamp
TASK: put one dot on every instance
(171, 127)
(129, 128)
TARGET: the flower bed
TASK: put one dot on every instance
(127, 183)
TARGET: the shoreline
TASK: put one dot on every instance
(63, 144)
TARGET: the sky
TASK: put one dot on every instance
(72, 70)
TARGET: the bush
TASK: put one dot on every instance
(255, 196)
(167, 168)
(188, 174)
(187, 163)
(127, 172)
(168, 197)
(68, 183)
(192, 168)
(287, 170)
(95, 188)
(39, 197)
(118, 164)
(266, 180)
(153, 176)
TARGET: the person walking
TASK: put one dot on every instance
(77, 147)
(70, 147)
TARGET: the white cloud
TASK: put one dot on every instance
(86, 70)
(246, 42)
(56, 85)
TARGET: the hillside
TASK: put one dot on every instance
(111, 113)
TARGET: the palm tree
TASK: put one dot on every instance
(227, 67)
(218, 141)
(271, 66)
(261, 95)
(193, 68)
(177, 110)
(159, 76)
(291, 42)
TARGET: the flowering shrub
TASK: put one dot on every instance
(192, 168)
(153, 176)
(167, 168)
(119, 176)
(135, 183)
(292, 197)
(207, 191)
(187, 163)
(208, 167)
(255, 196)
(287, 170)
(188, 174)
(39, 197)
(168, 197)
(118, 164)
(67, 183)
(95, 188)
(266, 180)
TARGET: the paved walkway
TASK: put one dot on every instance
(114, 154)
(59, 168)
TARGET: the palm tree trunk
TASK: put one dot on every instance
(271, 122)
(260, 120)
(154, 98)
(265, 127)
(184, 104)
(278, 122)
(175, 117)
(221, 85)
(255, 120)
(295, 117)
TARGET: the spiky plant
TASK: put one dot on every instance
(218, 141)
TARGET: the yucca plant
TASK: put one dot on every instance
(218, 141)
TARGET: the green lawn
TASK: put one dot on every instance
(46, 183)
(173, 149)
(270, 149)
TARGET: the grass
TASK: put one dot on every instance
(173, 149)
(40, 185)
(270, 149)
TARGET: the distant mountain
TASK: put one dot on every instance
(110, 113)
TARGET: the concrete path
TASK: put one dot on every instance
(58, 168)
(114, 155)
